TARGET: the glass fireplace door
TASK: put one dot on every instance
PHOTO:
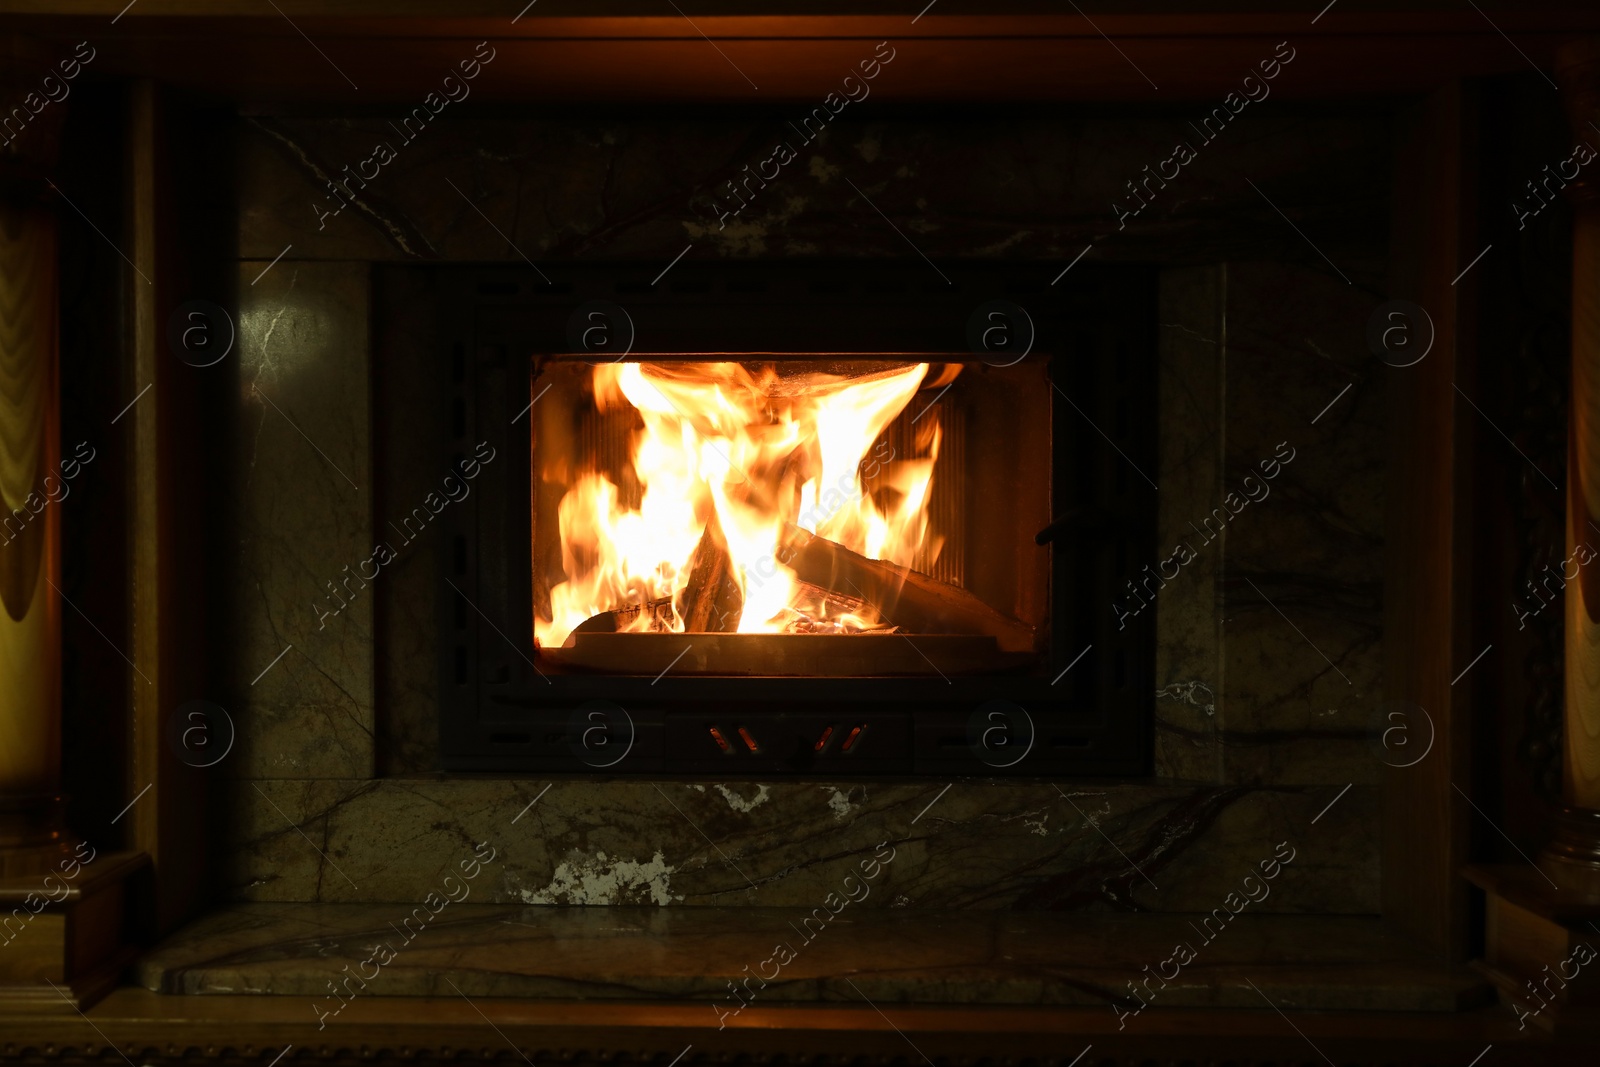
(826, 515)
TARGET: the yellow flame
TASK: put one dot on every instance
(759, 452)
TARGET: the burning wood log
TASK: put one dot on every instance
(712, 601)
(913, 601)
(660, 615)
(619, 620)
(907, 601)
(830, 605)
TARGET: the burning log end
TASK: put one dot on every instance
(913, 601)
(712, 601)
(619, 620)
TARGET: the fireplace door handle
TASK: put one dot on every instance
(1080, 521)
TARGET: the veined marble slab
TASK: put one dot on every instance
(979, 844)
(896, 957)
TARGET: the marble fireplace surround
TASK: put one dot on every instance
(332, 821)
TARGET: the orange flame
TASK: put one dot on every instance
(759, 450)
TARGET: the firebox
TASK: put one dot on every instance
(819, 519)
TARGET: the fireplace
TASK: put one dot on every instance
(814, 519)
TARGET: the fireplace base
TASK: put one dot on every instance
(888, 955)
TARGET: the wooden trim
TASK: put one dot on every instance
(1426, 821)
(387, 52)
(151, 1028)
(97, 872)
(166, 822)
(953, 17)
(144, 526)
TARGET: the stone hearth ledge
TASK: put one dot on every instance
(888, 956)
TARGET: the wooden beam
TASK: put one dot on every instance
(424, 1027)
(396, 51)
(1111, 15)
(167, 822)
(1426, 818)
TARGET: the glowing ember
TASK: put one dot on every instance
(760, 452)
